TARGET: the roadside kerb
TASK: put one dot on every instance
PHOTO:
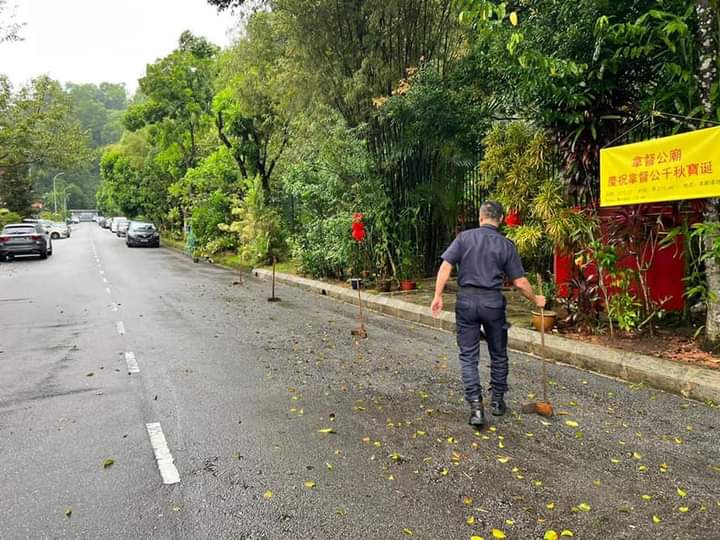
(688, 381)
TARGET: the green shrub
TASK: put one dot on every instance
(325, 247)
(206, 219)
(6, 216)
(258, 227)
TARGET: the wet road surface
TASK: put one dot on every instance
(278, 425)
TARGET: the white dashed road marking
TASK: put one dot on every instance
(121, 328)
(104, 280)
(114, 306)
(132, 363)
(165, 461)
(107, 290)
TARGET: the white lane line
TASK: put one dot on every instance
(132, 363)
(107, 290)
(114, 306)
(165, 461)
(120, 328)
(102, 272)
(104, 280)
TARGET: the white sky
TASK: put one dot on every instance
(91, 41)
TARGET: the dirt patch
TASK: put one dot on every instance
(674, 347)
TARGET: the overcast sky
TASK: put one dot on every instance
(104, 40)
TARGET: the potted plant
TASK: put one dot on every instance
(407, 272)
(548, 317)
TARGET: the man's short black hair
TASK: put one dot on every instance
(492, 210)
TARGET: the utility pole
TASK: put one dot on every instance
(55, 191)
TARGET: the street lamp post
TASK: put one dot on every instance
(65, 201)
(55, 191)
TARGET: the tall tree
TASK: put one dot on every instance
(254, 105)
(9, 27)
(708, 36)
(178, 93)
(37, 129)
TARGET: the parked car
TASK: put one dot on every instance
(25, 239)
(115, 222)
(101, 221)
(75, 219)
(140, 233)
(122, 228)
(57, 229)
(106, 223)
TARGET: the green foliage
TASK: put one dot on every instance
(258, 227)
(518, 169)
(623, 307)
(176, 101)
(6, 216)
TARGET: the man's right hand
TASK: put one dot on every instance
(540, 301)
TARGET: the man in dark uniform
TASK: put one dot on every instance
(485, 257)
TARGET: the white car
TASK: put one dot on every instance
(115, 222)
(55, 229)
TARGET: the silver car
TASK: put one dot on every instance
(25, 239)
(122, 228)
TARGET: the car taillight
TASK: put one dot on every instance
(4, 239)
(35, 237)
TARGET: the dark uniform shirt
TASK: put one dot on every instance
(484, 256)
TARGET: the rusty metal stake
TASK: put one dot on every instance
(360, 332)
(273, 298)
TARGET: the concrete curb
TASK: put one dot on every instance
(688, 381)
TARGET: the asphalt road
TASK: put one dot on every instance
(245, 391)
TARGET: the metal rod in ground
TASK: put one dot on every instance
(360, 332)
(273, 298)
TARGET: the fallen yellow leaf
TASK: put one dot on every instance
(475, 537)
(503, 459)
(584, 507)
(407, 532)
(550, 505)
(326, 430)
(684, 509)
(571, 423)
(550, 535)
(656, 519)
(567, 532)
(309, 484)
(467, 501)
(681, 492)
(268, 494)
(497, 533)
(513, 18)
(470, 520)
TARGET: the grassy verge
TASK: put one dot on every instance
(286, 267)
(166, 241)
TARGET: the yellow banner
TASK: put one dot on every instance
(685, 166)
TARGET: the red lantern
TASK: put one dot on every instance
(513, 219)
(358, 227)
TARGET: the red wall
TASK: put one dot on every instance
(665, 277)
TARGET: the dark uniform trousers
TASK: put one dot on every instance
(480, 314)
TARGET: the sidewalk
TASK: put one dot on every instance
(688, 381)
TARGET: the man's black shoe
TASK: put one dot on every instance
(477, 414)
(498, 407)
